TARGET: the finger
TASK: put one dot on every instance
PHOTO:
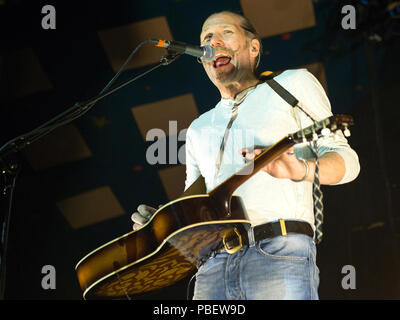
(138, 218)
(249, 156)
(146, 211)
(253, 154)
(262, 148)
(136, 226)
(290, 151)
(253, 148)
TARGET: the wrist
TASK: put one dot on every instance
(307, 173)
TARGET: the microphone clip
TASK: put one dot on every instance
(170, 57)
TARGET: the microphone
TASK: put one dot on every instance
(205, 53)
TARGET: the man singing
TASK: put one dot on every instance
(273, 265)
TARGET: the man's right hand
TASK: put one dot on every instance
(143, 214)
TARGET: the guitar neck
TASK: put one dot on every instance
(223, 192)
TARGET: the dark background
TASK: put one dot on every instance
(361, 218)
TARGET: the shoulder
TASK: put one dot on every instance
(292, 79)
(294, 75)
(300, 81)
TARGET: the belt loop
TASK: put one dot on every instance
(250, 234)
(283, 227)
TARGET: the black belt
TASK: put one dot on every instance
(239, 237)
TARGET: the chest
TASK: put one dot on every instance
(260, 120)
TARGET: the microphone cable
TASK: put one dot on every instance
(61, 120)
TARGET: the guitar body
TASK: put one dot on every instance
(164, 251)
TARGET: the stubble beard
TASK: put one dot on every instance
(224, 77)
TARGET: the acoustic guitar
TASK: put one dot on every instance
(180, 233)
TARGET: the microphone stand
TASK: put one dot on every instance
(10, 166)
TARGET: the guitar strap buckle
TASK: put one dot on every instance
(231, 249)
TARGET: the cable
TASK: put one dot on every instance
(71, 114)
(4, 236)
(188, 286)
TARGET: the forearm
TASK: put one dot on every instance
(332, 168)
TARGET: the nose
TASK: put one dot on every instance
(216, 41)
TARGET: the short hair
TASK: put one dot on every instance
(248, 27)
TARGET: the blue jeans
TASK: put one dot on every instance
(283, 267)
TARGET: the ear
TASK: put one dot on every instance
(254, 47)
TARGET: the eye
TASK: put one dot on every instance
(207, 37)
(227, 31)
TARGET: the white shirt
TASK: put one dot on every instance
(263, 119)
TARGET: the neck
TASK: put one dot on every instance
(230, 91)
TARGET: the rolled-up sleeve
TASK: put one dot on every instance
(314, 100)
(341, 147)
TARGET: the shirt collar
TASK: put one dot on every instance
(227, 102)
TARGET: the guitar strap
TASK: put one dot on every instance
(268, 77)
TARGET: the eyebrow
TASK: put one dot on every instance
(204, 31)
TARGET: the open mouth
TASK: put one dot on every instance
(221, 60)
